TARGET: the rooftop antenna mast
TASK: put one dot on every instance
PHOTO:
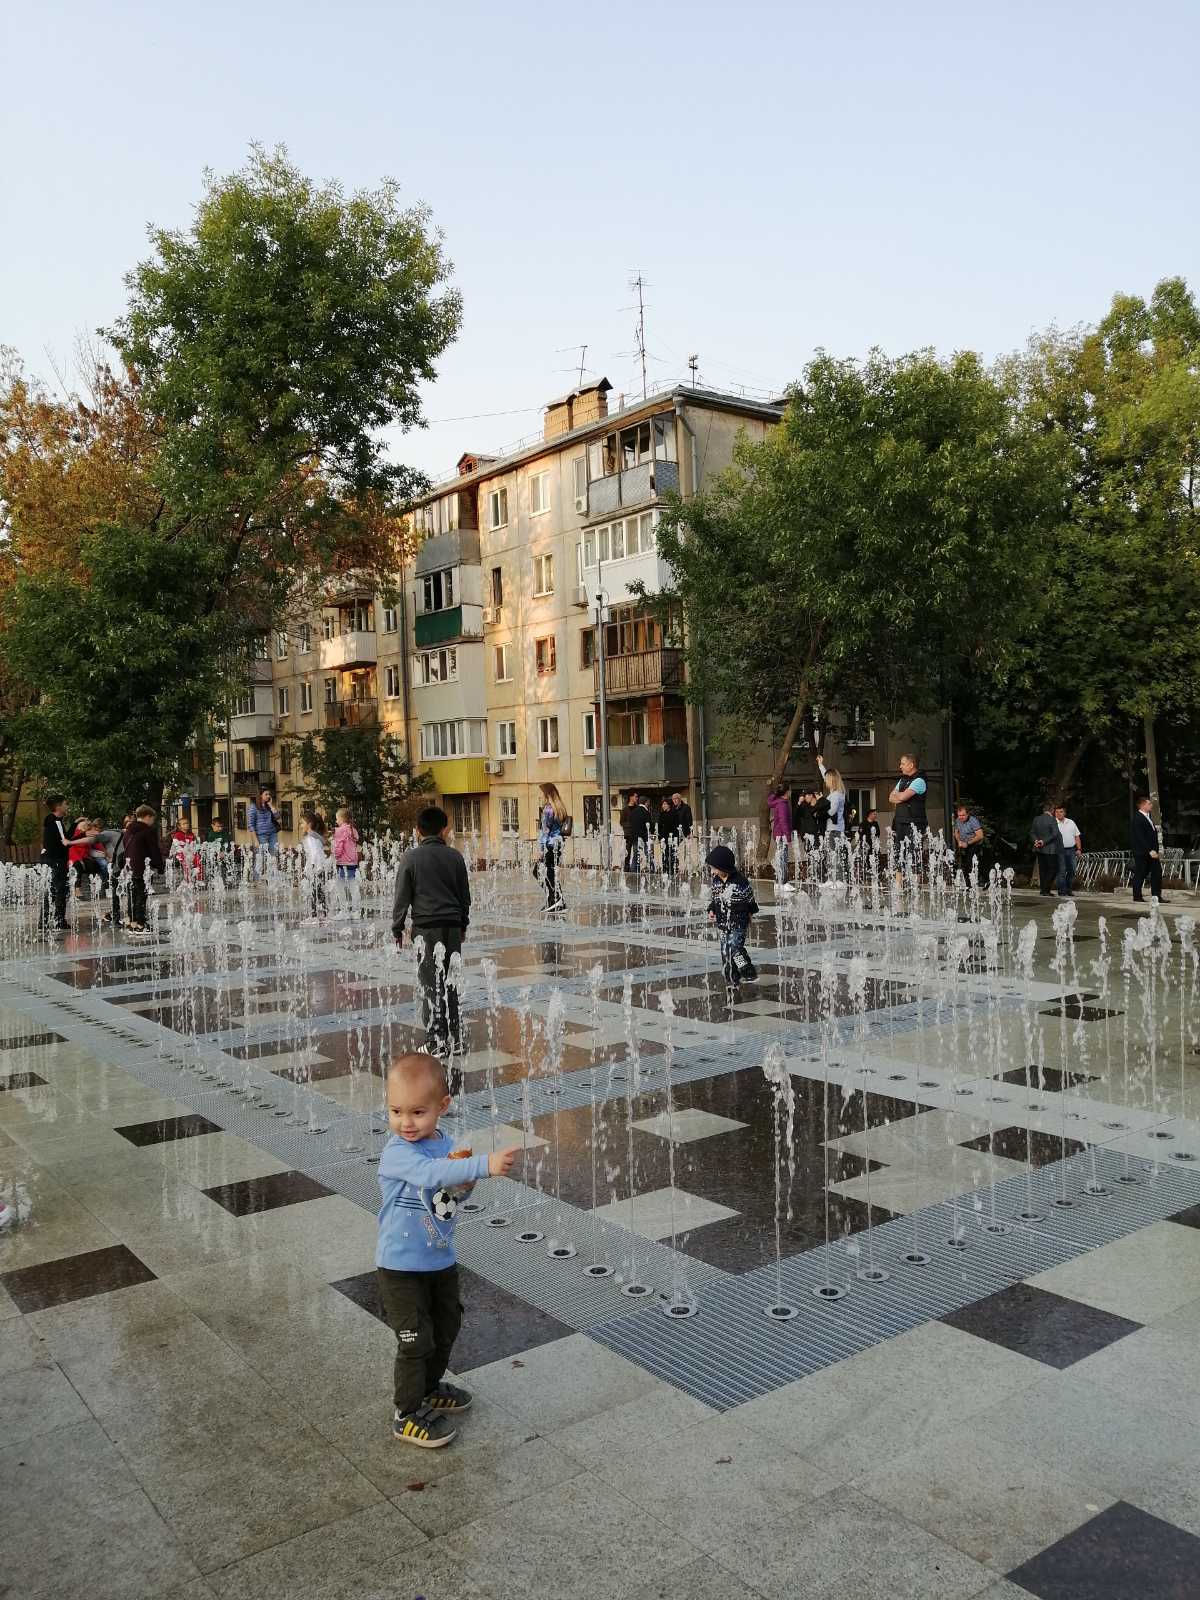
(693, 364)
(639, 283)
(583, 350)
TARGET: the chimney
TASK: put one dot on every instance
(575, 410)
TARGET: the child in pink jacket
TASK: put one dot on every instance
(345, 855)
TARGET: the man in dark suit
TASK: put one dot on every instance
(635, 825)
(1147, 854)
(1047, 844)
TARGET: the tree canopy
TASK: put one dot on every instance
(364, 768)
(864, 552)
(216, 474)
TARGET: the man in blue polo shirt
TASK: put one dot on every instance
(968, 841)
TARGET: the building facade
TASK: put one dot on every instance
(487, 668)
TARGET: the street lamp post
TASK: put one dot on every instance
(602, 737)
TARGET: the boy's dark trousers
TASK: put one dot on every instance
(56, 893)
(137, 899)
(439, 998)
(424, 1311)
(735, 963)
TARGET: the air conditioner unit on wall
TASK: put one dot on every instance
(581, 502)
(491, 614)
(493, 768)
(581, 594)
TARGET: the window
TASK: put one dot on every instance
(439, 590)
(589, 733)
(284, 700)
(331, 691)
(497, 586)
(281, 646)
(498, 508)
(545, 656)
(258, 647)
(613, 541)
(506, 739)
(306, 695)
(510, 821)
(859, 731)
(391, 682)
(580, 477)
(593, 819)
(547, 736)
(539, 493)
(243, 706)
(858, 803)
(627, 728)
(500, 663)
(437, 666)
(467, 816)
(305, 638)
(440, 740)
(389, 619)
(543, 575)
(360, 618)
(328, 626)
(587, 647)
(286, 820)
(285, 759)
(222, 763)
(239, 814)
(239, 759)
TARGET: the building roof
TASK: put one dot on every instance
(661, 400)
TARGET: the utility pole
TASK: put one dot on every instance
(602, 731)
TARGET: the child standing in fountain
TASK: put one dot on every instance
(731, 907)
(422, 1181)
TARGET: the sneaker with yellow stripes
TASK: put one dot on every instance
(448, 1397)
(424, 1427)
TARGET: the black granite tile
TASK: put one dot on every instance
(734, 1170)
(1027, 1145)
(20, 1080)
(496, 1324)
(1047, 1327)
(265, 1194)
(1122, 1554)
(56, 1283)
(189, 1126)
(19, 1041)
(1075, 1011)
(1190, 1218)
(1050, 1079)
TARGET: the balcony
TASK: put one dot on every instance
(252, 783)
(343, 586)
(255, 727)
(259, 670)
(460, 775)
(442, 627)
(651, 765)
(353, 648)
(643, 672)
(636, 486)
(351, 713)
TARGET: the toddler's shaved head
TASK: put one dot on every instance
(420, 1067)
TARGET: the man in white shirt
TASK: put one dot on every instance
(1072, 843)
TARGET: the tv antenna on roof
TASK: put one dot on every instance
(583, 350)
(639, 283)
(693, 363)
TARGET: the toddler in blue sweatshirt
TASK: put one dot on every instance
(422, 1181)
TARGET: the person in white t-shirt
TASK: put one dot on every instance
(1072, 843)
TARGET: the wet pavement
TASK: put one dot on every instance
(194, 1372)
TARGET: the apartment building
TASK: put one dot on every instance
(487, 669)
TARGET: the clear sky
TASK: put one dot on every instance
(785, 176)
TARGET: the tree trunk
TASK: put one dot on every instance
(1152, 768)
(10, 815)
(1065, 773)
(803, 710)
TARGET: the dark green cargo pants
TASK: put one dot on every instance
(424, 1311)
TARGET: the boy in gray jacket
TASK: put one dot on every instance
(431, 883)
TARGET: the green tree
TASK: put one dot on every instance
(865, 550)
(1114, 640)
(364, 768)
(232, 466)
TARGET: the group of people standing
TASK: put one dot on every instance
(668, 826)
(118, 857)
